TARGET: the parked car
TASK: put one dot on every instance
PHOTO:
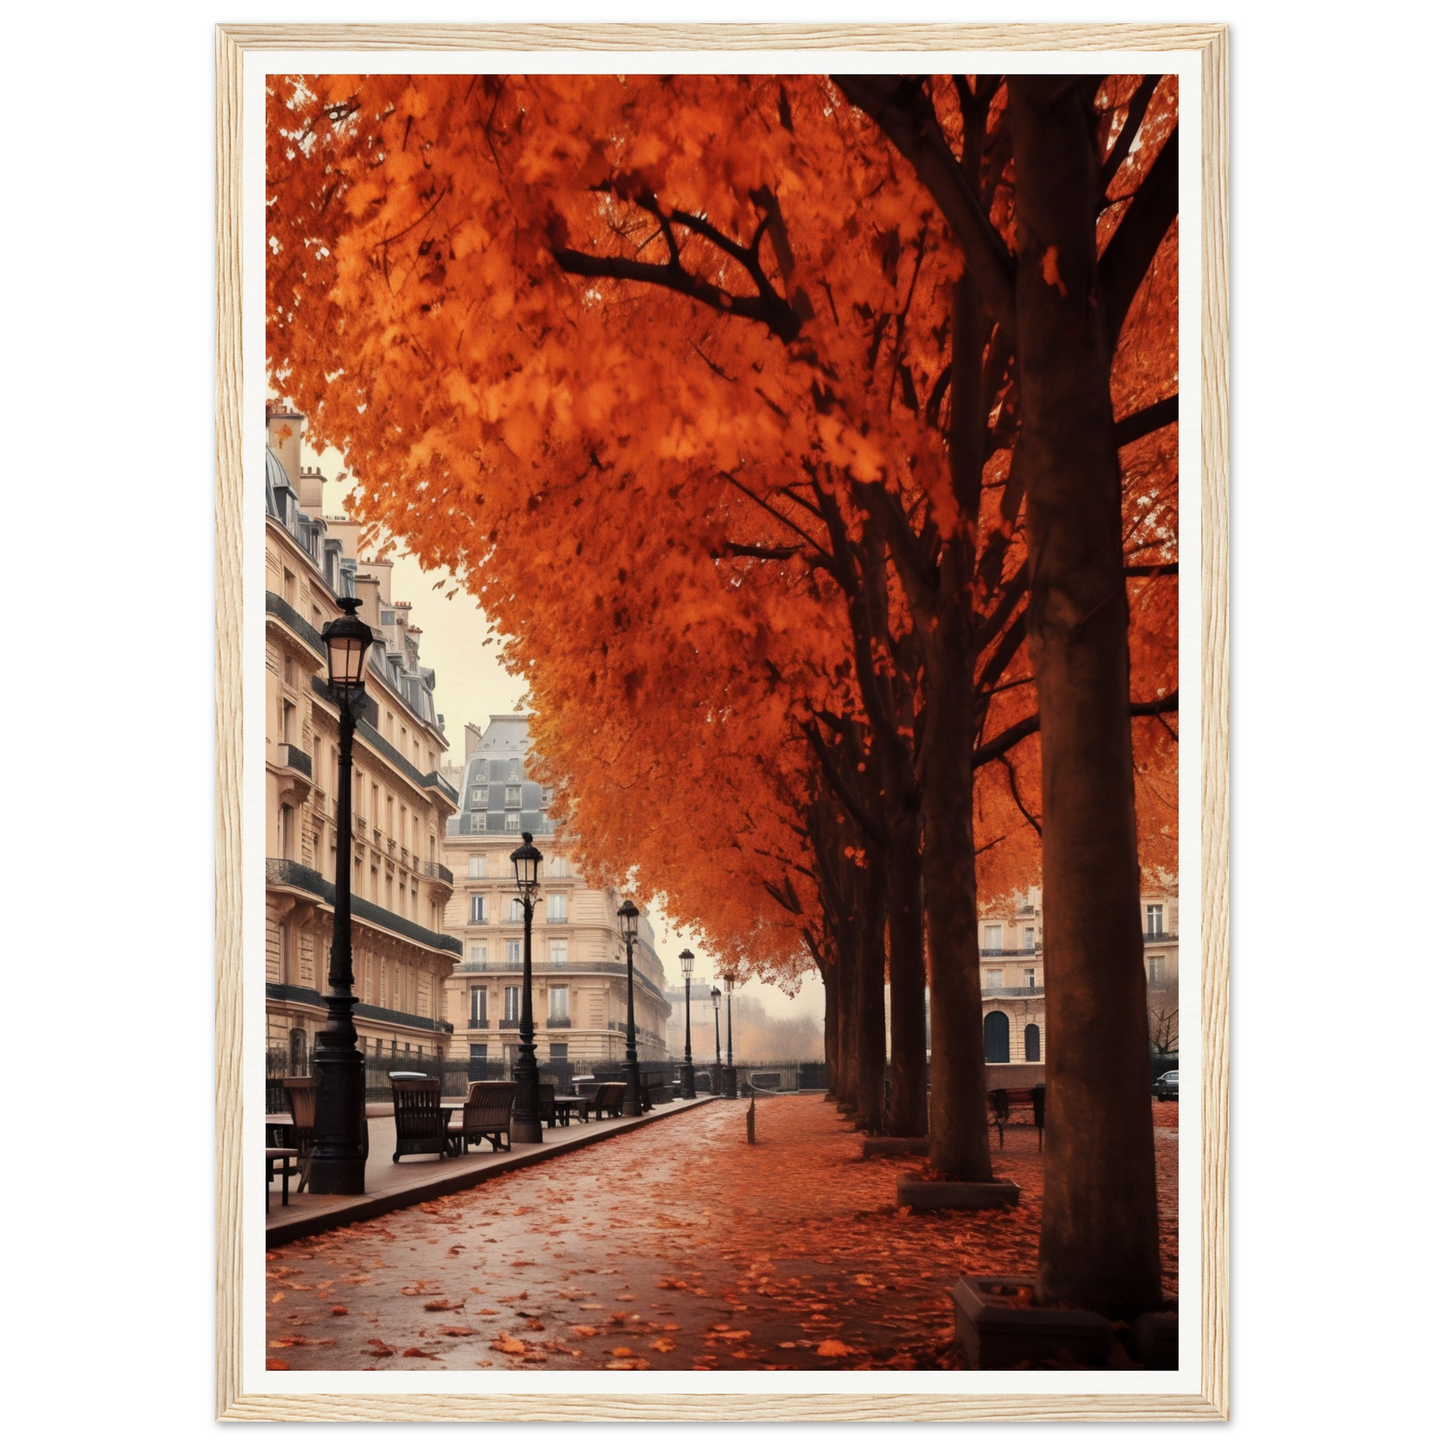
(1166, 1086)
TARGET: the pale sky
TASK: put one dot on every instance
(471, 685)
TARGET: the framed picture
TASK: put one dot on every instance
(797, 981)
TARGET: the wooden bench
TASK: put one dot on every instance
(281, 1156)
(1001, 1101)
(421, 1126)
(606, 1102)
(487, 1114)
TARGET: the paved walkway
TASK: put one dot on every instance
(675, 1247)
(417, 1178)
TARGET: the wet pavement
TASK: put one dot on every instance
(678, 1246)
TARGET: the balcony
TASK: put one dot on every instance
(1010, 952)
(294, 993)
(560, 1021)
(288, 755)
(478, 1024)
(439, 871)
(999, 991)
(285, 613)
(287, 873)
(1161, 937)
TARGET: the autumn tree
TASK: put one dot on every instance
(791, 418)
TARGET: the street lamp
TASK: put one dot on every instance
(632, 1101)
(730, 1074)
(338, 1160)
(688, 1090)
(717, 1038)
(526, 1121)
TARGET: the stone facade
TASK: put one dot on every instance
(1012, 969)
(579, 969)
(400, 800)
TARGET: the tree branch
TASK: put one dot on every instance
(905, 114)
(1138, 104)
(1131, 250)
(1151, 418)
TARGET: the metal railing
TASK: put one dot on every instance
(283, 611)
(285, 873)
(288, 755)
(437, 870)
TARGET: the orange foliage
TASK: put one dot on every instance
(639, 359)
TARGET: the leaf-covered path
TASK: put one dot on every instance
(678, 1246)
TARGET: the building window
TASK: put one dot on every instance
(993, 938)
(557, 1053)
(558, 948)
(477, 1062)
(1156, 971)
(1029, 978)
(514, 770)
(511, 1004)
(514, 796)
(298, 1052)
(556, 908)
(1155, 919)
(1031, 1043)
(479, 822)
(557, 867)
(993, 978)
(556, 1004)
(477, 865)
(995, 1038)
(479, 1008)
(1028, 940)
(514, 950)
(479, 907)
(517, 913)
(479, 797)
(479, 953)
(511, 822)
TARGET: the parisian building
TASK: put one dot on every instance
(402, 955)
(1012, 965)
(579, 969)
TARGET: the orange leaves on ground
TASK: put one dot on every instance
(509, 1345)
(663, 1345)
(833, 1349)
(277, 1365)
(442, 1304)
(415, 1354)
(457, 1331)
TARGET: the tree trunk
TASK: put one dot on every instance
(958, 1119)
(908, 1099)
(870, 1057)
(1099, 1241)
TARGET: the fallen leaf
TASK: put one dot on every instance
(509, 1346)
(458, 1330)
(664, 1346)
(277, 1365)
(414, 1353)
(340, 1310)
(833, 1348)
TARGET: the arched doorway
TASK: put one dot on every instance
(1031, 1043)
(995, 1037)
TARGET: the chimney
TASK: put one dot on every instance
(368, 588)
(283, 436)
(382, 571)
(308, 490)
(473, 736)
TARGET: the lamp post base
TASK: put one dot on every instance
(632, 1100)
(687, 1082)
(729, 1082)
(526, 1132)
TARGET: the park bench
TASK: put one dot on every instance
(279, 1157)
(1002, 1101)
(421, 1126)
(606, 1102)
(487, 1114)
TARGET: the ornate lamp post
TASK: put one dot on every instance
(717, 1039)
(632, 1102)
(338, 1162)
(730, 1074)
(688, 1089)
(526, 1122)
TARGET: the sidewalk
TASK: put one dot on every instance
(419, 1177)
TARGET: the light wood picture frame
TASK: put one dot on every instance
(233, 44)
